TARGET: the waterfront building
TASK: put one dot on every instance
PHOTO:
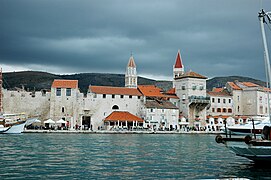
(220, 108)
(64, 101)
(119, 120)
(101, 101)
(249, 99)
(190, 87)
(158, 111)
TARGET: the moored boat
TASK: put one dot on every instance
(257, 149)
(253, 126)
(254, 149)
(13, 125)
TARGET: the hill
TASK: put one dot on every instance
(34, 80)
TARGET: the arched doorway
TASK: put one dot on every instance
(115, 107)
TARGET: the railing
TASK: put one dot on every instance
(199, 99)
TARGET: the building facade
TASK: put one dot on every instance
(190, 87)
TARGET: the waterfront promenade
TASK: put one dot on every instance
(118, 132)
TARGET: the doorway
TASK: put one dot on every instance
(86, 123)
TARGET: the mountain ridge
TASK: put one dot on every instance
(37, 80)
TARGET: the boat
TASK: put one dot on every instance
(253, 126)
(258, 150)
(253, 147)
(10, 125)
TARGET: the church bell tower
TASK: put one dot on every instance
(130, 75)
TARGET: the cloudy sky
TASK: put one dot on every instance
(215, 37)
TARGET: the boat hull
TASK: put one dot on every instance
(15, 129)
(257, 150)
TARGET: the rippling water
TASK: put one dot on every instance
(121, 156)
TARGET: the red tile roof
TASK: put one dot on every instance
(150, 91)
(131, 62)
(171, 94)
(234, 86)
(114, 90)
(60, 83)
(191, 74)
(122, 116)
(249, 84)
(178, 63)
(218, 89)
(160, 104)
(171, 91)
(223, 93)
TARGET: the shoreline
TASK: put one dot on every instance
(117, 132)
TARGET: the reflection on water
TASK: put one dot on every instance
(126, 156)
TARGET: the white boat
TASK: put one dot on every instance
(17, 127)
(248, 128)
(255, 149)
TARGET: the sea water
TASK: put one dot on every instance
(121, 156)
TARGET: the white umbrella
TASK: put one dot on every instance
(49, 121)
(61, 121)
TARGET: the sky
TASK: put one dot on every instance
(215, 37)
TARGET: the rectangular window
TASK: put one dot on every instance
(229, 101)
(130, 96)
(213, 109)
(218, 100)
(121, 96)
(138, 97)
(68, 92)
(113, 96)
(58, 91)
(213, 100)
(104, 95)
(183, 87)
(224, 101)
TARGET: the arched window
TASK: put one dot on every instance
(63, 109)
(115, 107)
(224, 110)
(218, 110)
(229, 110)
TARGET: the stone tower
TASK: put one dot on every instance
(130, 75)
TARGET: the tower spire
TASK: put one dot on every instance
(178, 68)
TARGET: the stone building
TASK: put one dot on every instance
(220, 108)
(158, 111)
(249, 99)
(64, 100)
(190, 87)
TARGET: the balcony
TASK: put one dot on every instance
(199, 99)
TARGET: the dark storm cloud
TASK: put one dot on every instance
(216, 38)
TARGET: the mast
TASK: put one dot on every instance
(262, 15)
(1, 95)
